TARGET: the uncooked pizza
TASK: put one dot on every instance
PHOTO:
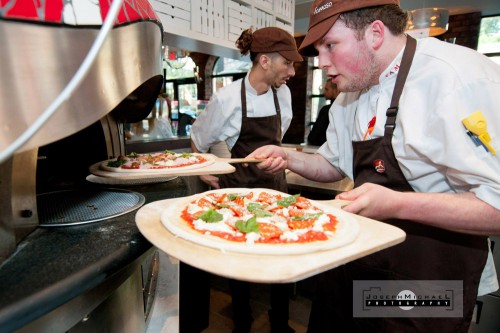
(259, 221)
(156, 162)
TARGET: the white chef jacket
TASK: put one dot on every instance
(221, 119)
(446, 83)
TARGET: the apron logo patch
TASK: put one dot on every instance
(379, 166)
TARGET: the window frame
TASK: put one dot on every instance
(316, 96)
(495, 54)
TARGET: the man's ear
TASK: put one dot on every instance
(264, 61)
(375, 34)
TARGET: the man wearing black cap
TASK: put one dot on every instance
(406, 130)
(247, 114)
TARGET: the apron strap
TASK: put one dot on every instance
(244, 104)
(278, 109)
(243, 99)
(404, 69)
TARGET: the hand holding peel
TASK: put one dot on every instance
(274, 158)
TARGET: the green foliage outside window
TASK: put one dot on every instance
(489, 37)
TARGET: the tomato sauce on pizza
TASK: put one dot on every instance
(259, 217)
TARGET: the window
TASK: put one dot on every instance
(179, 69)
(181, 93)
(180, 82)
(317, 99)
(227, 70)
(489, 38)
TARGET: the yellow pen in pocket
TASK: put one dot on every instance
(477, 126)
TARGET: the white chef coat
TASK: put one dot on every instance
(221, 119)
(446, 83)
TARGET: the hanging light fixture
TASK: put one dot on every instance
(428, 22)
(176, 59)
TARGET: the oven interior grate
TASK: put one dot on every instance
(75, 207)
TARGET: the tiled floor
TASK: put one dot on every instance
(164, 318)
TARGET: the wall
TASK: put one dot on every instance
(212, 26)
(201, 59)
(465, 28)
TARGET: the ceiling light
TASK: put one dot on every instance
(428, 22)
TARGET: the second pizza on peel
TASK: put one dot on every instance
(156, 162)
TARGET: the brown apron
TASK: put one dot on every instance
(428, 253)
(255, 133)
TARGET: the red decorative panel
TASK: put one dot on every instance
(52, 11)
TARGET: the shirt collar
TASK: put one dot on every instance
(392, 70)
(248, 87)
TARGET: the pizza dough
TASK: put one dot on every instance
(346, 229)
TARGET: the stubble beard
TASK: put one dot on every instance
(365, 78)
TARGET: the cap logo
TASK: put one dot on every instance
(327, 5)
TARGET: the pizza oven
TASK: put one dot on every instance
(73, 73)
(52, 62)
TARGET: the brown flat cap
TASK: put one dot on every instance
(272, 39)
(324, 13)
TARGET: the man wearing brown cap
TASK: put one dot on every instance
(247, 114)
(398, 131)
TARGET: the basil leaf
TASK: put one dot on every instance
(116, 164)
(234, 196)
(285, 202)
(133, 154)
(252, 206)
(231, 196)
(169, 152)
(306, 217)
(250, 225)
(261, 213)
(257, 210)
(211, 216)
(222, 205)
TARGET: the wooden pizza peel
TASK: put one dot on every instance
(374, 236)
